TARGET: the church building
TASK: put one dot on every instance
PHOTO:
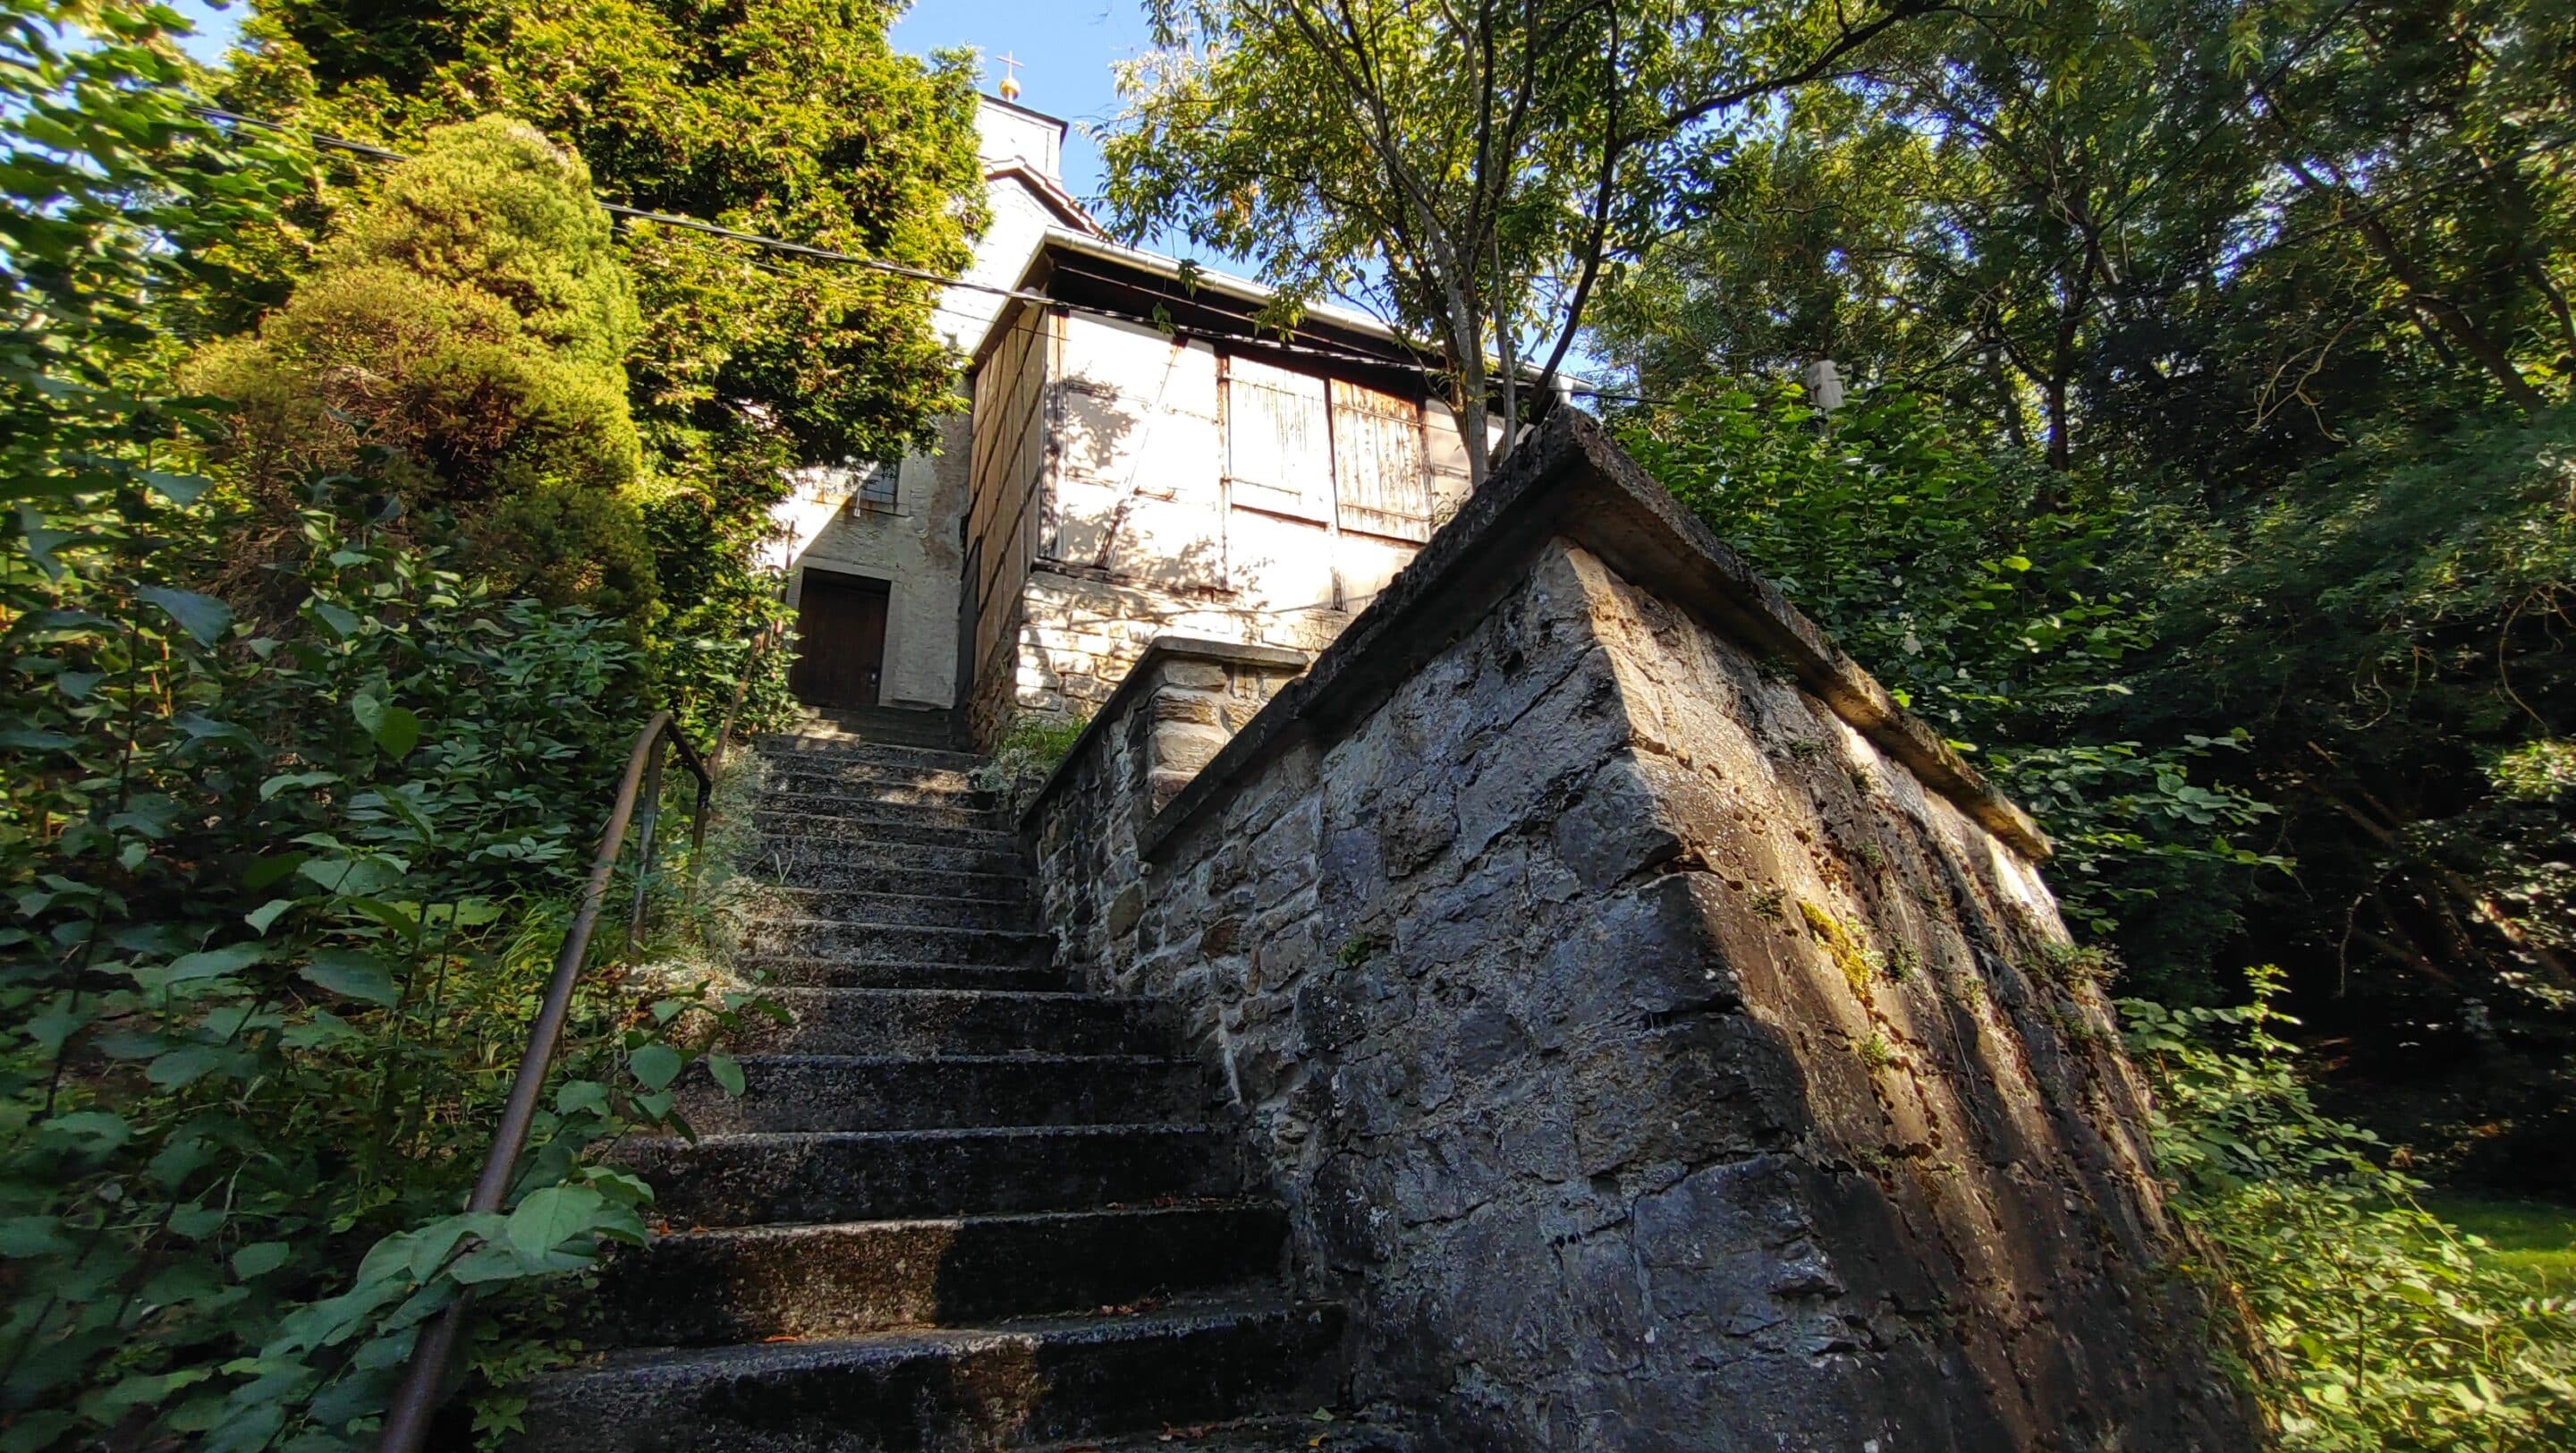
(1139, 459)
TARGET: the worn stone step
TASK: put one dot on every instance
(1009, 909)
(755, 1178)
(889, 870)
(824, 971)
(893, 942)
(878, 782)
(1298, 1432)
(838, 750)
(957, 1022)
(1014, 1386)
(951, 813)
(751, 1283)
(879, 1092)
(907, 726)
(882, 825)
(827, 861)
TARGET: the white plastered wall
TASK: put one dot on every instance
(916, 547)
(1142, 540)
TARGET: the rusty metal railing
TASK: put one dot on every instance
(761, 644)
(424, 1384)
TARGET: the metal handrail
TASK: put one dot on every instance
(407, 1420)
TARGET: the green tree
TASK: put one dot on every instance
(279, 888)
(790, 118)
(1464, 170)
(2274, 295)
(463, 336)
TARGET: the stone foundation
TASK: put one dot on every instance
(1658, 1040)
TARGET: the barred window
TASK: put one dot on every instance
(877, 487)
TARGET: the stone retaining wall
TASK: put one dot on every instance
(1658, 1040)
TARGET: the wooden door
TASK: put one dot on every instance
(840, 640)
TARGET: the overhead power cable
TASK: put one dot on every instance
(844, 259)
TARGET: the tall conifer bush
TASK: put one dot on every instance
(463, 336)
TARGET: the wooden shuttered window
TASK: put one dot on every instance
(1378, 479)
(1323, 450)
(1278, 440)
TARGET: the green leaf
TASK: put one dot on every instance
(260, 1258)
(34, 1431)
(353, 877)
(342, 623)
(185, 1066)
(395, 729)
(552, 1216)
(576, 1096)
(352, 974)
(727, 1073)
(93, 1130)
(284, 780)
(269, 869)
(178, 489)
(201, 616)
(398, 733)
(22, 1236)
(267, 913)
(655, 1065)
(214, 963)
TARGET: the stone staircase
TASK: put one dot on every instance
(960, 1206)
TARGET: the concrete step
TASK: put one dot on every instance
(951, 812)
(1300, 1432)
(1009, 909)
(840, 749)
(887, 870)
(943, 1022)
(816, 1092)
(749, 1284)
(877, 782)
(824, 971)
(827, 860)
(903, 725)
(756, 1178)
(878, 825)
(915, 943)
(1023, 1384)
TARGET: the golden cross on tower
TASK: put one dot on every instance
(1010, 87)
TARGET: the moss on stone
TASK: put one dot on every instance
(1848, 954)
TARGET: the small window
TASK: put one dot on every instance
(1278, 440)
(877, 487)
(1378, 480)
(1325, 450)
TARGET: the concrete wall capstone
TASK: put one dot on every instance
(1658, 1040)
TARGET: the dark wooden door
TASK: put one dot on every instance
(840, 640)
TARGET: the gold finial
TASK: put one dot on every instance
(1010, 87)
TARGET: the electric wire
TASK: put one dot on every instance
(1308, 346)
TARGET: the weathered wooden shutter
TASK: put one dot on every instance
(1377, 463)
(1278, 440)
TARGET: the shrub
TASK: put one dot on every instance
(462, 339)
(2367, 1323)
(283, 906)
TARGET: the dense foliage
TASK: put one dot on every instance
(788, 118)
(463, 337)
(1931, 559)
(326, 618)
(2250, 325)
(2367, 1323)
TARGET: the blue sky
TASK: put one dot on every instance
(1064, 50)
